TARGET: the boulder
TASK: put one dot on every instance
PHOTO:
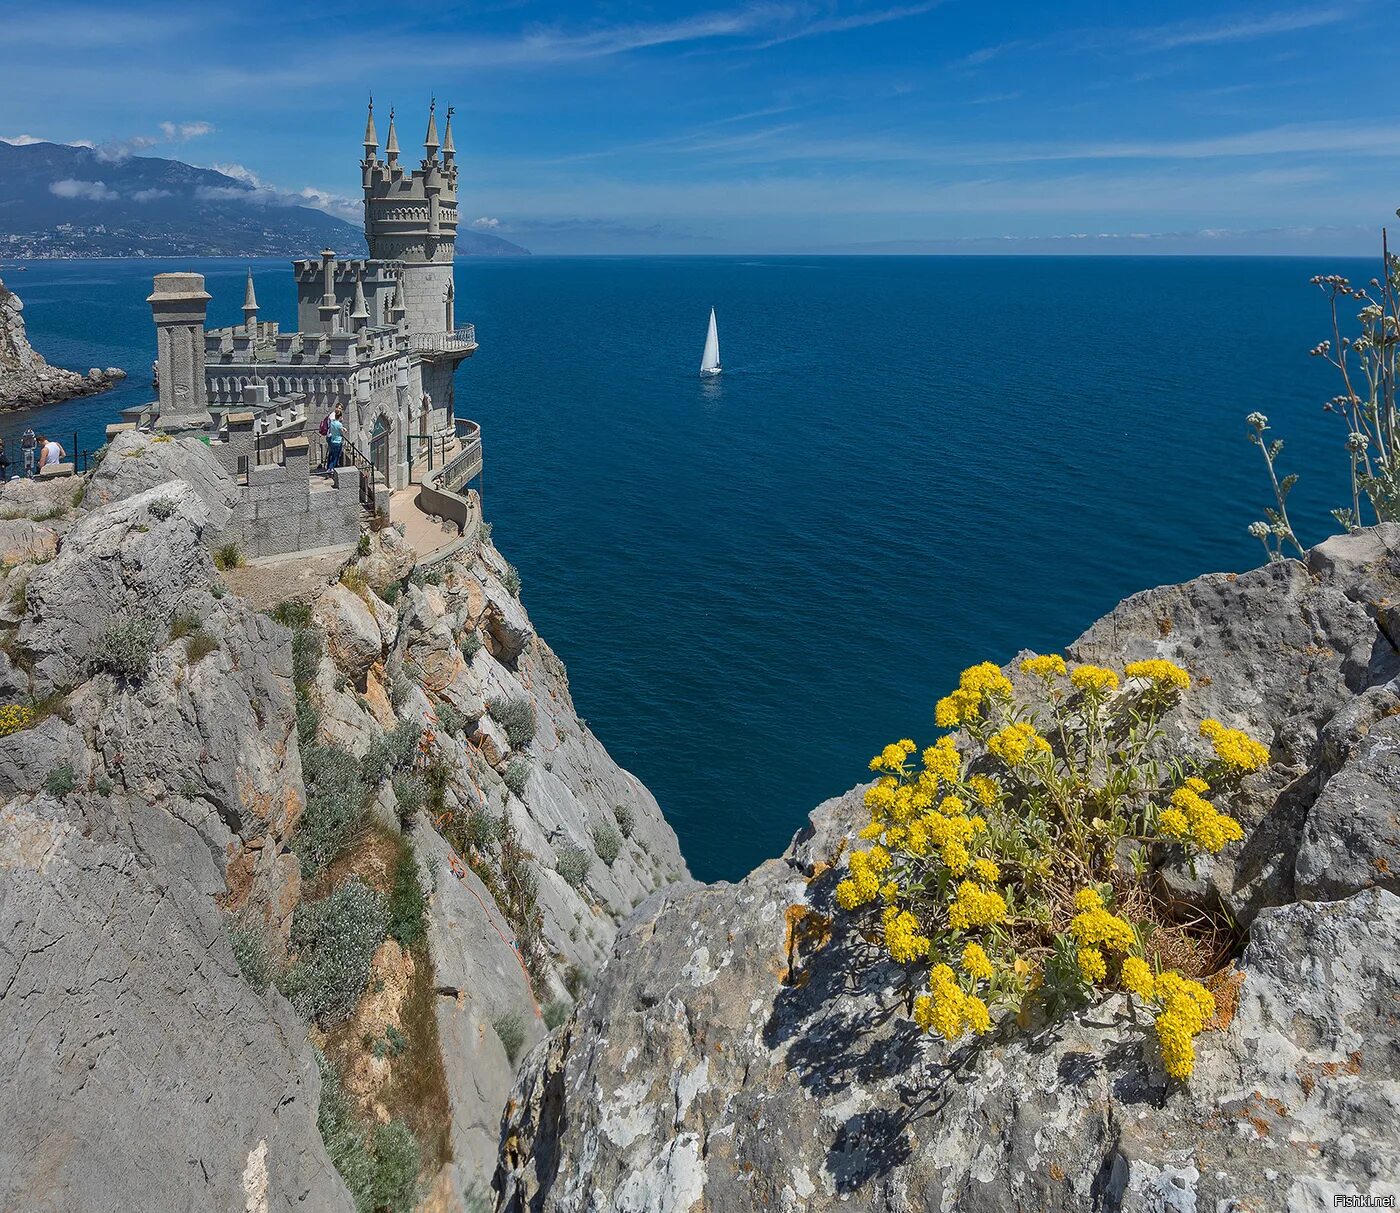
(352, 634)
(390, 558)
(26, 542)
(136, 462)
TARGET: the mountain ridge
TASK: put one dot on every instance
(61, 201)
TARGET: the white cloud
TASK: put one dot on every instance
(21, 140)
(88, 191)
(485, 224)
(239, 172)
(119, 149)
(255, 189)
(150, 195)
(174, 131)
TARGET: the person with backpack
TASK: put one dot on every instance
(335, 440)
(324, 429)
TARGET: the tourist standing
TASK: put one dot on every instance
(335, 440)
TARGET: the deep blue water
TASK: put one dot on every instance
(908, 465)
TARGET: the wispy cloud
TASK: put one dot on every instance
(180, 131)
(252, 188)
(1240, 29)
(86, 191)
(842, 24)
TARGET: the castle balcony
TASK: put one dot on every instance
(459, 341)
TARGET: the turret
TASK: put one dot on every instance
(360, 316)
(391, 148)
(371, 136)
(430, 140)
(329, 308)
(397, 309)
(449, 149)
(178, 305)
(250, 308)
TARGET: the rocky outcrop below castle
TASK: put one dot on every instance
(25, 378)
(746, 1047)
(288, 888)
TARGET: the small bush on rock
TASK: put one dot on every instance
(60, 781)
(184, 623)
(392, 752)
(511, 1029)
(230, 556)
(556, 1012)
(127, 646)
(517, 776)
(511, 580)
(451, 719)
(200, 645)
(516, 715)
(247, 935)
(335, 801)
(471, 645)
(292, 613)
(625, 819)
(407, 903)
(409, 794)
(335, 939)
(573, 863)
(161, 508)
(608, 843)
(482, 828)
(397, 1160)
(997, 864)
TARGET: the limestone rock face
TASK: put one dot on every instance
(350, 629)
(746, 1049)
(135, 462)
(25, 378)
(143, 1071)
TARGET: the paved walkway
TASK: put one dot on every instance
(422, 532)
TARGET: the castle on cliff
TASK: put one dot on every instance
(377, 337)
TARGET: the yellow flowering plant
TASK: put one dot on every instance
(1011, 858)
(14, 717)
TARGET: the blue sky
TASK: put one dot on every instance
(953, 126)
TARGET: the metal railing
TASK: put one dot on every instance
(463, 338)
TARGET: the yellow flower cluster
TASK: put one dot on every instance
(1192, 816)
(892, 757)
(984, 788)
(976, 963)
(1094, 680)
(1049, 666)
(1092, 966)
(1136, 977)
(1183, 1005)
(977, 684)
(863, 884)
(14, 717)
(976, 907)
(1163, 675)
(902, 937)
(942, 761)
(1095, 927)
(1234, 748)
(1016, 743)
(947, 1010)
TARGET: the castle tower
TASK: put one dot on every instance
(178, 305)
(411, 217)
(250, 308)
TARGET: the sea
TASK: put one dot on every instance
(908, 465)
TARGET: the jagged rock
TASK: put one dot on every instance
(136, 462)
(490, 740)
(504, 625)
(480, 982)
(25, 378)
(120, 562)
(746, 1049)
(25, 542)
(28, 757)
(35, 499)
(390, 558)
(426, 638)
(352, 634)
(1352, 836)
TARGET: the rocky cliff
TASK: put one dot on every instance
(25, 378)
(295, 863)
(746, 1047)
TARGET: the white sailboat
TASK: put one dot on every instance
(709, 363)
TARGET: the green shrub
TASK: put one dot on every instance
(230, 556)
(397, 1161)
(408, 906)
(392, 752)
(625, 819)
(345, 1143)
(451, 719)
(573, 863)
(335, 802)
(308, 721)
(218, 589)
(482, 828)
(516, 715)
(362, 548)
(471, 644)
(127, 646)
(200, 645)
(293, 614)
(511, 1029)
(390, 593)
(556, 1012)
(247, 935)
(306, 656)
(511, 580)
(161, 508)
(409, 794)
(60, 781)
(517, 776)
(104, 786)
(335, 939)
(184, 623)
(400, 688)
(607, 842)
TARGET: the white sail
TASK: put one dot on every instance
(709, 364)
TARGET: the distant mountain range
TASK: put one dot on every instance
(62, 201)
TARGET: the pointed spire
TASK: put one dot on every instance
(250, 300)
(391, 148)
(397, 308)
(371, 136)
(360, 314)
(430, 140)
(449, 149)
